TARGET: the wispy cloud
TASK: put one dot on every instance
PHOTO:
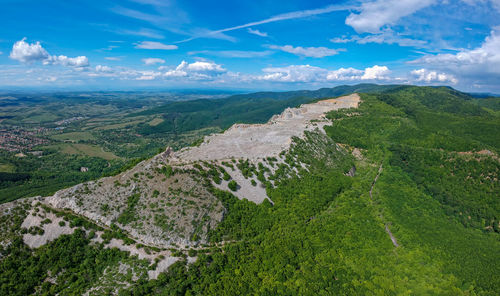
(113, 58)
(313, 52)
(257, 32)
(153, 61)
(155, 45)
(164, 15)
(232, 53)
(158, 3)
(276, 18)
(387, 36)
(108, 48)
(136, 14)
(376, 14)
(141, 32)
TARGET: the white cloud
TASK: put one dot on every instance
(257, 32)
(376, 73)
(307, 73)
(424, 75)
(80, 61)
(148, 75)
(387, 36)
(199, 70)
(371, 73)
(153, 2)
(113, 58)
(103, 69)
(201, 66)
(142, 32)
(482, 60)
(155, 45)
(233, 53)
(280, 17)
(494, 3)
(376, 14)
(345, 74)
(109, 48)
(293, 73)
(27, 53)
(315, 52)
(152, 61)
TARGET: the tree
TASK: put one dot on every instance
(232, 185)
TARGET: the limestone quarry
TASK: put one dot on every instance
(166, 202)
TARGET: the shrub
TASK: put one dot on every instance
(232, 185)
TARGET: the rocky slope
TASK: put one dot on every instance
(169, 200)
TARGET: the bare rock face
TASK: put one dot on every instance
(153, 208)
(257, 141)
(169, 200)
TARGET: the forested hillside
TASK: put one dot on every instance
(417, 214)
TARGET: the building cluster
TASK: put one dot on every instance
(15, 139)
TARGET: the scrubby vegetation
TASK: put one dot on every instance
(327, 233)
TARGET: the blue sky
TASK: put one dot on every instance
(259, 44)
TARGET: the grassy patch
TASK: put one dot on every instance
(85, 149)
(6, 168)
(74, 136)
(155, 121)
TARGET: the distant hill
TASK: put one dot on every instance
(320, 93)
(244, 108)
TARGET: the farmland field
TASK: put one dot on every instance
(74, 136)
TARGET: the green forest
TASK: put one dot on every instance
(427, 174)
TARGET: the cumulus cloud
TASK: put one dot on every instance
(345, 74)
(375, 14)
(155, 45)
(80, 61)
(199, 70)
(371, 73)
(25, 52)
(103, 69)
(152, 61)
(28, 52)
(201, 66)
(307, 73)
(257, 32)
(482, 60)
(314, 52)
(424, 75)
(293, 73)
(376, 73)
